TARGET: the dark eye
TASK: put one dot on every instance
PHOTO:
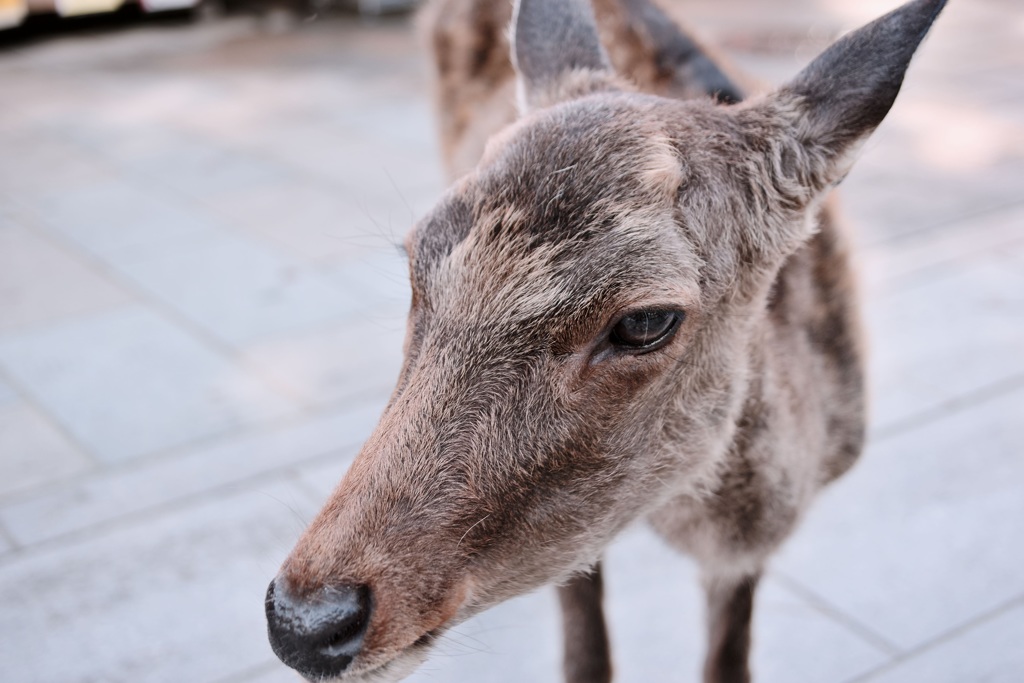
(645, 330)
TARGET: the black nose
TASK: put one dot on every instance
(318, 635)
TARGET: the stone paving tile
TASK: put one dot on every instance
(315, 223)
(901, 262)
(238, 290)
(407, 122)
(358, 357)
(944, 338)
(346, 362)
(176, 161)
(32, 451)
(68, 288)
(45, 163)
(170, 599)
(990, 652)
(117, 221)
(374, 169)
(127, 383)
(112, 495)
(923, 534)
(891, 193)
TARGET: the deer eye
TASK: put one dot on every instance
(645, 330)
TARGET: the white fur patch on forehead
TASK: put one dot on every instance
(662, 170)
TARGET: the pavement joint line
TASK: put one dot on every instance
(971, 399)
(28, 397)
(916, 235)
(925, 275)
(939, 640)
(256, 429)
(248, 484)
(824, 606)
(923, 230)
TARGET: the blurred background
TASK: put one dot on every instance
(201, 310)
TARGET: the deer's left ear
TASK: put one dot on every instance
(842, 96)
(557, 52)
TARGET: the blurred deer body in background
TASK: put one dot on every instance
(631, 304)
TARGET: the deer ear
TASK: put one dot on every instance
(690, 70)
(842, 96)
(556, 51)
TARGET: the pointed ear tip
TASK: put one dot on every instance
(935, 6)
(928, 10)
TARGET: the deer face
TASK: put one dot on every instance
(581, 307)
(556, 307)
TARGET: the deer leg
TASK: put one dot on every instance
(730, 607)
(587, 658)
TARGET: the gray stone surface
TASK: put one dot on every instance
(33, 451)
(109, 495)
(313, 222)
(900, 263)
(350, 360)
(989, 652)
(44, 162)
(168, 598)
(944, 338)
(116, 220)
(69, 288)
(201, 314)
(128, 383)
(923, 535)
(238, 290)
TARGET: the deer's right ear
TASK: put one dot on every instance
(842, 96)
(557, 52)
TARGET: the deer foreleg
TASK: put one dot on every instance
(730, 602)
(587, 657)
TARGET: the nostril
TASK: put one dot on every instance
(344, 630)
(318, 634)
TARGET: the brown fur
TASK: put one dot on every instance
(520, 440)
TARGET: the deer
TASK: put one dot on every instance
(635, 303)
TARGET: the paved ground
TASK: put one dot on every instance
(200, 312)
